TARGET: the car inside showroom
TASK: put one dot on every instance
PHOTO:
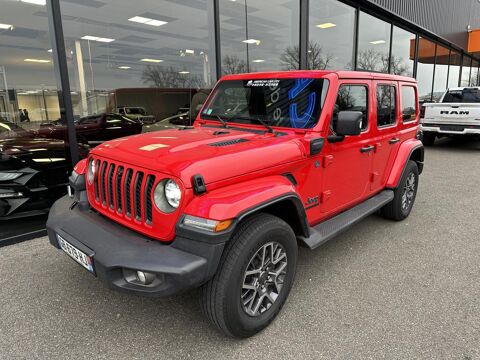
(172, 171)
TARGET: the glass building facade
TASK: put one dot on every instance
(130, 67)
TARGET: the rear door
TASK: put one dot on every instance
(386, 123)
(348, 163)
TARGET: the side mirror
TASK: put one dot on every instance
(349, 123)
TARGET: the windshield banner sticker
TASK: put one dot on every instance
(273, 83)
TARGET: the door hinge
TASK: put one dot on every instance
(327, 160)
(325, 196)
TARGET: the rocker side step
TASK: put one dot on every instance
(330, 228)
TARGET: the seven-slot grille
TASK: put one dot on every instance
(124, 190)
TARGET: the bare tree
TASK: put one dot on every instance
(371, 60)
(169, 77)
(232, 64)
(315, 59)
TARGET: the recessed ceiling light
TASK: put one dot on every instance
(6, 27)
(35, 2)
(326, 25)
(37, 60)
(251, 41)
(152, 60)
(124, 67)
(377, 42)
(258, 60)
(96, 38)
(50, 50)
(147, 21)
(184, 72)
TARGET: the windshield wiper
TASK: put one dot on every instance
(268, 127)
(224, 123)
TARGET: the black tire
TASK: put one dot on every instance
(428, 138)
(396, 210)
(221, 298)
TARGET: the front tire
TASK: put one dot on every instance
(254, 277)
(404, 195)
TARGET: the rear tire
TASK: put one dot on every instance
(254, 277)
(404, 195)
(428, 138)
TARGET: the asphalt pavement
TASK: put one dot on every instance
(406, 290)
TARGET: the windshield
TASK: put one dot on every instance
(462, 96)
(135, 111)
(294, 103)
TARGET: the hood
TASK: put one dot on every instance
(215, 153)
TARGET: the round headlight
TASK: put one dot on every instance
(91, 171)
(167, 195)
(173, 193)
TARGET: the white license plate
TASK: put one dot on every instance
(77, 255)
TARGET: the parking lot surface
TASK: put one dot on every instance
(381, 290)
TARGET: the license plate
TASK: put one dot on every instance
(77, 255)
(452, 128)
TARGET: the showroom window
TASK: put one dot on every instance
(259, 35)
(373, 44)
(454, 69)
(331, 35)
(152, 64)
(441, 72)
(425, 67)
(403, 52)
(474, 75)
(465, 80)
(35, 161)
(386, 105)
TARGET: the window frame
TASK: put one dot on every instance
(367, 106)
(415, 93)
(390, 84)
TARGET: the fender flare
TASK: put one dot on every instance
(243, 199)
(404, 154)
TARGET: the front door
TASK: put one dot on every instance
(347, 164)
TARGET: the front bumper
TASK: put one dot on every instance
(184, 264)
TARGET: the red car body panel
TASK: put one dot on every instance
(248, 174)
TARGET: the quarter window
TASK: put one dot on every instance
(409, 103)
(386, 105)
(351, 98)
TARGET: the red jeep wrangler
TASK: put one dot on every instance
(273, 161)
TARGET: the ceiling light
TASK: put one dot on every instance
(326, 25)
(184, 72)
(189, 51)
(152, 60)
(377, 42)
(251, 41)
(50, 50)
(35, 2)
(147, 21)
(37, 60)
(124, 67)
(258, 60)
(96, 38)
(6, 27)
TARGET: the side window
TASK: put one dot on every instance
(409, 103)
(351, 98)
(386, 105)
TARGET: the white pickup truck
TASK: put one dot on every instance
(457, 113)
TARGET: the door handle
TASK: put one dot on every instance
(393, 141)
(367, 148)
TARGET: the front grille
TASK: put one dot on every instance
(125, 191)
